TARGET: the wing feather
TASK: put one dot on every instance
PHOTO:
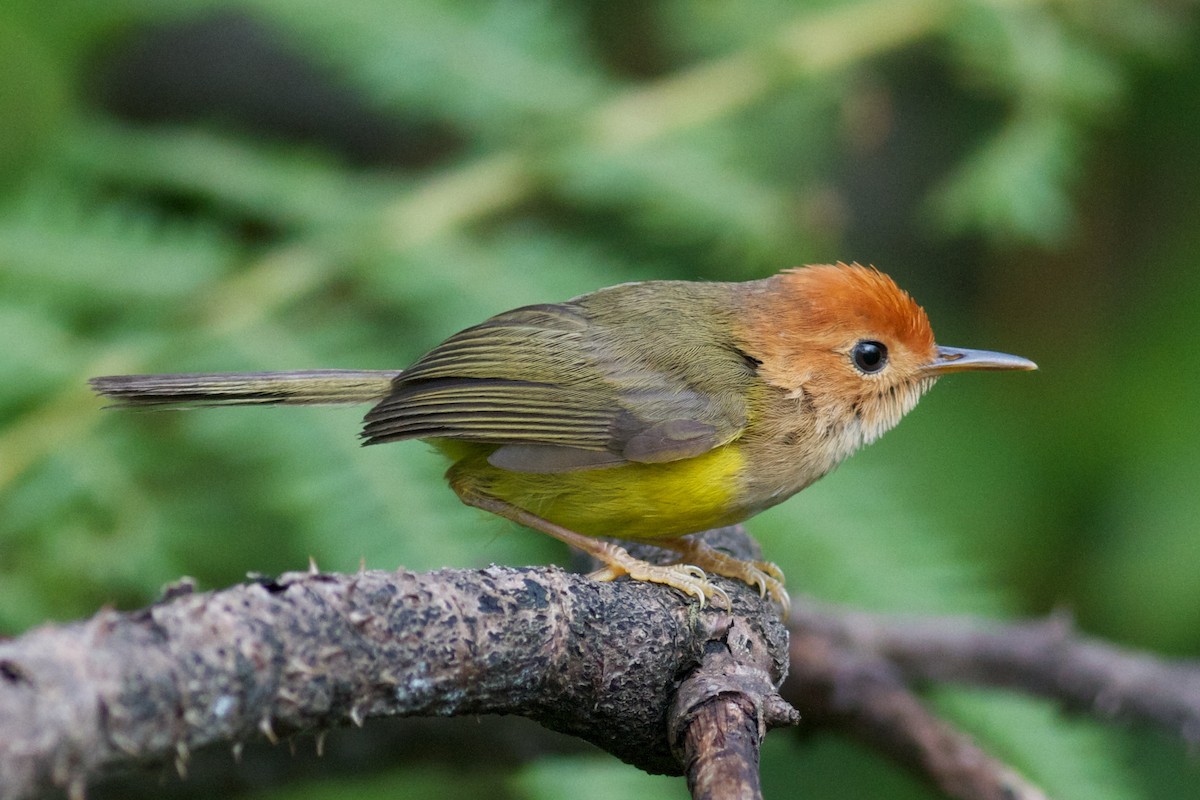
(557, 388)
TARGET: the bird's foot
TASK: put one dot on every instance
(687, 578)
(762, 575)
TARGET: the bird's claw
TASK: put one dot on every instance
(764, 576)
(687, 578)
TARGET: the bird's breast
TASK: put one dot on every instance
(792, 440)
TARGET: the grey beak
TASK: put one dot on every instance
(960, 359)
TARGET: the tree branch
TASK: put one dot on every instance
(852, 670)
(477, 749)
(865, 696)
(310, 651)
(1043, 657)
(720, 716)
(636, 669)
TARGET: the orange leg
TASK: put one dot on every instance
(617, 561)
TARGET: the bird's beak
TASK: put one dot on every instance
(960, 359)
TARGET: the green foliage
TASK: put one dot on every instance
(594, 778)
(413, 784)
(1042, 745)
(1026, 169)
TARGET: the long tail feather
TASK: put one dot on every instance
(311, 387)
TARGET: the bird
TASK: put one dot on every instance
(643, 412)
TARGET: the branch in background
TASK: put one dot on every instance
(1047, 658)
(308, 652)
(852, 670)
(864, 695)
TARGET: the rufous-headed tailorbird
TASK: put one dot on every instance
(646, 411)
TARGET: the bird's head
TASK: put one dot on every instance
(858, 346)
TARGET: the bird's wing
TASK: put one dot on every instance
(546, 385)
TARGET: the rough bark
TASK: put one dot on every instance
(309, 651)
(638, 670)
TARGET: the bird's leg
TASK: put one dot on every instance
(617, 561)
(763, 575)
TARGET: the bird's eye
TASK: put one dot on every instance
(869, 356)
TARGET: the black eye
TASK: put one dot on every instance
(869, 356)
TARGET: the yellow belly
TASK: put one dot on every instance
(630, 501)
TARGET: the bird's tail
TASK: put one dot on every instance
(306, 387)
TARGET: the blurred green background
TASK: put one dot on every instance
(283, 184)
